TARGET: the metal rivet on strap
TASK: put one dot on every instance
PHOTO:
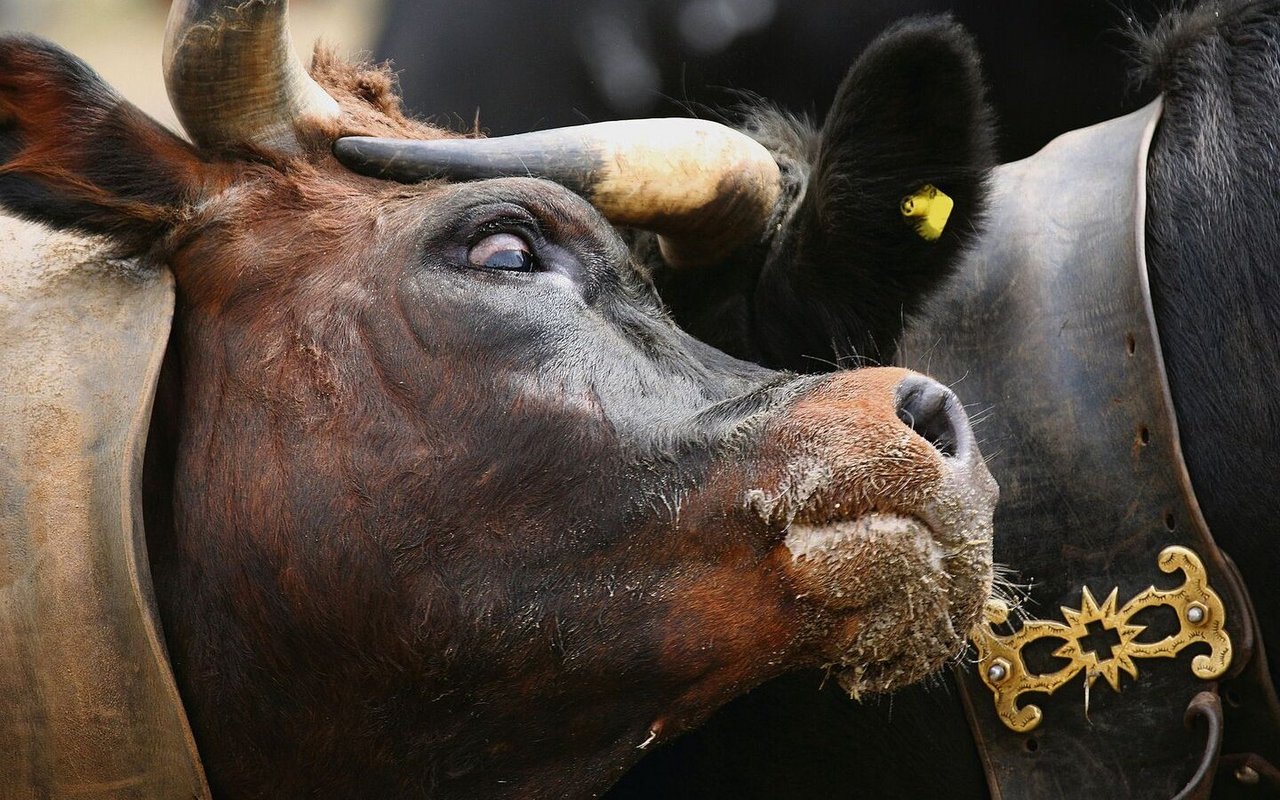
(1196, 613)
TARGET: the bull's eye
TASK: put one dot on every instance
(504, 251)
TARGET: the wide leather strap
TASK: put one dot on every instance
(88, 705)
(1048, 335)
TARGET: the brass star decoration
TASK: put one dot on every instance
(1201, 618)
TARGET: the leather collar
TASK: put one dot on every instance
(1047, 332)
(88, 704)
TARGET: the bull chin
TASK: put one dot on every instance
(895, 598)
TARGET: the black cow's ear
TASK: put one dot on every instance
(896, 189)
(910, 113)
(74, 154)
(883, 199)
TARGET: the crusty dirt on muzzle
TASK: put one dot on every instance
(888, 540)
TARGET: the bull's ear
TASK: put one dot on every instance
(74, 154)
(896, 190)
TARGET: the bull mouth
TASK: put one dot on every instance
(896, 593)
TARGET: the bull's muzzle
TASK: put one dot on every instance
(886, 510)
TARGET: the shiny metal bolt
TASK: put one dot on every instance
(1196, 613)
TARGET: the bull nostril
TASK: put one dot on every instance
(932, 411)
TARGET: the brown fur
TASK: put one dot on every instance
(367, 95)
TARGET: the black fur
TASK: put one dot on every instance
(844, 269)
(1213, 248)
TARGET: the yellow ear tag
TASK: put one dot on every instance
(930, 207)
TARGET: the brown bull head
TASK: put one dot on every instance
(441, 502)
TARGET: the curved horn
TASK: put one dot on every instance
(233, 77)
(703, 187)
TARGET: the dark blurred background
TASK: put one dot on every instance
(1052, 65)
(122, 39)
(517, 65)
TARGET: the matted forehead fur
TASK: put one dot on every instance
(368, 98)
(263, 194)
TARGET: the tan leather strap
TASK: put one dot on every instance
(88, 705)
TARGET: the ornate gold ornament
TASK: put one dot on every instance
(1201, 618)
